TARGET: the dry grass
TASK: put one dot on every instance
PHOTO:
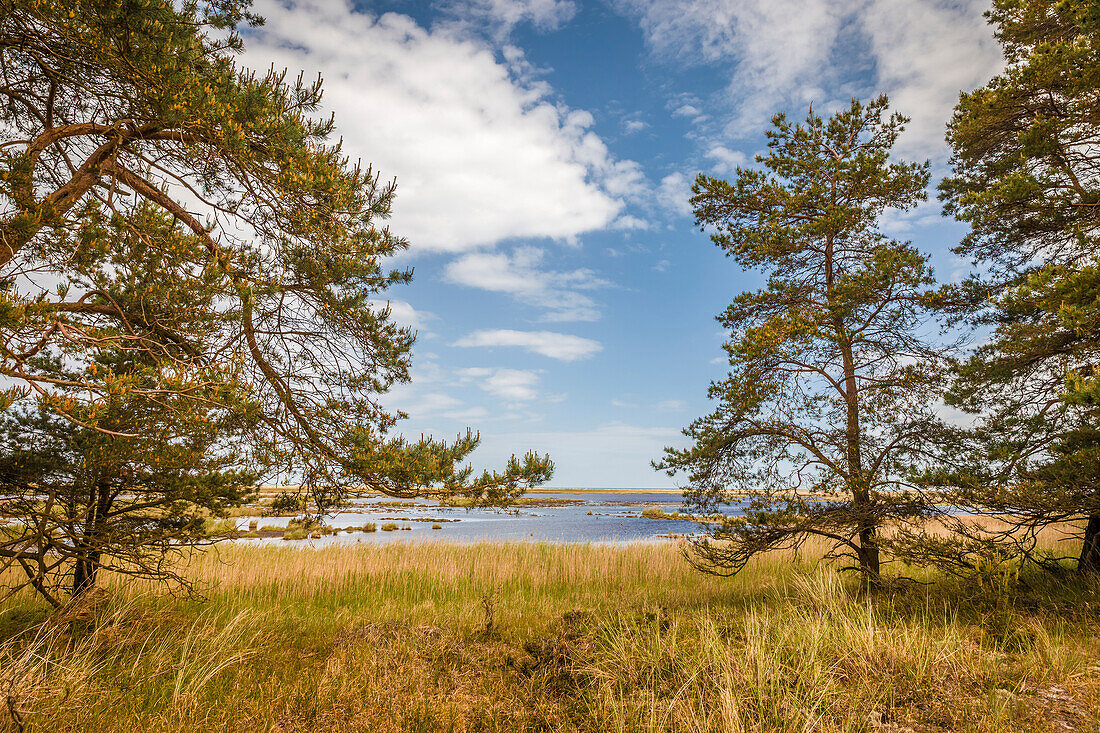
(509, 637)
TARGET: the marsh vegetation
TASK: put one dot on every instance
(582, 638)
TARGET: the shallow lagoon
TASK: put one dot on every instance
(613, 519)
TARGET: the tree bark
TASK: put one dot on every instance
(1089, 561)
(90, 547)
(868, 554)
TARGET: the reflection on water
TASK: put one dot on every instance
(587, 517)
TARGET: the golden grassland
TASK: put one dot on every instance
(526, 636)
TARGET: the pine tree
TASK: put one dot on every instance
(1026, 178)
(124, 479)
(130, 119)
(829, 395)
(128, 497)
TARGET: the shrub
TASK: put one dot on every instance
(286, 503)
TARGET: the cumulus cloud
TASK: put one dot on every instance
(559, 292)
(900, 224)
(561, 346)
(675, 193)
(429, 396)
(788, 53)
(480, 155)
(926, 52)
(435, 405)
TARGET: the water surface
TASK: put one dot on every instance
(613, 519)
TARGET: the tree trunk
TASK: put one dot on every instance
(868, 554)
(1089, 561)
(869, 560)
(90, 546)
(85, 572)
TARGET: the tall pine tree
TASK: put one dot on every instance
(1026, 178)
(134, 113)
(828, 400)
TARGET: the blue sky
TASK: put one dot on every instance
(543, 151)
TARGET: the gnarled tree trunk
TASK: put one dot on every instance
(90, 546)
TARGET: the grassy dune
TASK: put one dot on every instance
(503, 637)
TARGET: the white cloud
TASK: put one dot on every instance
(425, 397)
(421, 405)
(692, 110)
(473, 373)
(777, 45)
(725, 160)
(630, 223)
(519, 276)
(479, 155)
(896, 223)
(927, 51)
(561, 346)
(632, 126)
(512, 385)
(468, 415)
(785, 54)
(675, 193)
